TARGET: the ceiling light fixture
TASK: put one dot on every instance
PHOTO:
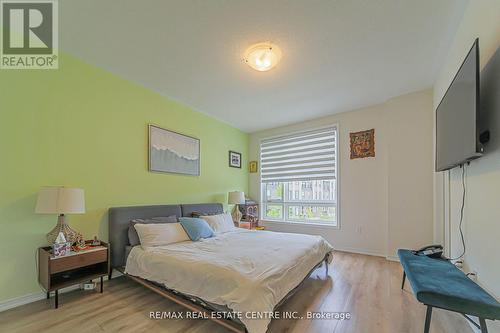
(262, 56)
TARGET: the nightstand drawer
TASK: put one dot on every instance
(76, 261)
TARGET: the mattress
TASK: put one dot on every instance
(246, 271)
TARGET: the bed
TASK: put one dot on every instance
(246, 273)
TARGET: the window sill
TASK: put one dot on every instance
(308, 224)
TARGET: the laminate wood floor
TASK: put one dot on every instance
(365, 286)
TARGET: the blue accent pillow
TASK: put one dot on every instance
(196, 228)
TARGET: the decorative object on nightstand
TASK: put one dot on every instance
(61, 247)
(61, 200)
(95, 241)
(250, 211)
(254, 221)
(55, 273)
(80, 243)
(236, 198)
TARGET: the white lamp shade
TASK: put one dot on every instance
(236, 198)
(60, 200)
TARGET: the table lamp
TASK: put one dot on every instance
(61, 200)
(236, 198)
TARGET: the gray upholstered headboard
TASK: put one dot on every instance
(211, 208)
(119, 220)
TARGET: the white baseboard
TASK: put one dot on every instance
(18, 301)
(392, 258)
(33, 297)
(115, 274)
(369, 253)
(360, 251)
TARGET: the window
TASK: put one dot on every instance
(299, 177)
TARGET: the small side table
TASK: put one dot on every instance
(75, 268)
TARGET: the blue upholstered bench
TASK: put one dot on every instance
(438, 283)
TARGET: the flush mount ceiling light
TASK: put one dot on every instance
(262, 56)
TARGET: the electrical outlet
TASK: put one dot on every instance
(472, 275)
(89, 286)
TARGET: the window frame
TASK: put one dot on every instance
(284, 203)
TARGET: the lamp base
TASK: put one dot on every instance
(62, 226)
(236, 214)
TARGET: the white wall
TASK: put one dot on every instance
(386, 201)
(482, 213)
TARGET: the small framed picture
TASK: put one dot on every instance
(253, 167)
(362, 144)
(234, 159)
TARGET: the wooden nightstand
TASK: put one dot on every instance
(75, 268)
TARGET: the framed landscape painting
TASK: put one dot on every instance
(173, 152)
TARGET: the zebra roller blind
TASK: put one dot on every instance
(303, 156)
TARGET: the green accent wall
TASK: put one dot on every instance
(81, 126)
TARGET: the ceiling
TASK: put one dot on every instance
(338, 55)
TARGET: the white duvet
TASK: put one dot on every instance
(247, 271)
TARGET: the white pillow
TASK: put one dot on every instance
(220, 223)
(159, 234)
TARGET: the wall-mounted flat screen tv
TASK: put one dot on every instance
(457, 140)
